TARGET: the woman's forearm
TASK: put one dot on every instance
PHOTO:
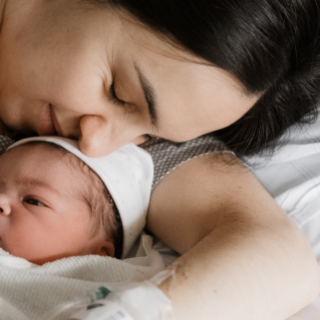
(243, 258)
(243, 272)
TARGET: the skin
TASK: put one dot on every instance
(242, 257)
(59, 59)
(43, 216)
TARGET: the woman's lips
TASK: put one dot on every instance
(56, 123)
(45, 125)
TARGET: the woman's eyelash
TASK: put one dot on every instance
(114, 97)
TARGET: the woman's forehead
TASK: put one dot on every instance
(74, 20)
(67, 34)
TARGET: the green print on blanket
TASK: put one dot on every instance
(98, 295)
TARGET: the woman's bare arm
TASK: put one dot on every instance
(242, 258)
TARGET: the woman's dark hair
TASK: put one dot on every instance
(271, 46)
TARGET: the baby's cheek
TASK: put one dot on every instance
(26, 245)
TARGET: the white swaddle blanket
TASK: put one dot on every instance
(28, 291)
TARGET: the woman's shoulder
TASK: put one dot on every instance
(5, 142)
(168, 155)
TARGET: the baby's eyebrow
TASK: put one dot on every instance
(32, 182)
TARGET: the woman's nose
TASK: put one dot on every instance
(5, 208)
(100, 138)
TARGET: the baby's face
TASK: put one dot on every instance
(43, 213)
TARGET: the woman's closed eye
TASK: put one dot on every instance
(114, 96)
(34, 202)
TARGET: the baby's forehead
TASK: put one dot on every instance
(54, 157)
(44, 150)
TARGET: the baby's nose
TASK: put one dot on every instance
(5, 208)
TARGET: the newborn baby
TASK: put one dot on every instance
(56, 203)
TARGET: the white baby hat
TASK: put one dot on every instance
(127, 173)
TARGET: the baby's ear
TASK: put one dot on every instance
(103, 248)
(107, 249)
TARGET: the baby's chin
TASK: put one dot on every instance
(41, 260)
(51, 258)
(2, 246)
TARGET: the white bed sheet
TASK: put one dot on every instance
(292, 177)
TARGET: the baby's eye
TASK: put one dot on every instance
(35, 202)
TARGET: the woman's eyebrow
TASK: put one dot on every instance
(149, 94)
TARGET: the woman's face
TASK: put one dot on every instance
(95, 75)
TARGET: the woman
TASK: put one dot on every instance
(110, 72)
